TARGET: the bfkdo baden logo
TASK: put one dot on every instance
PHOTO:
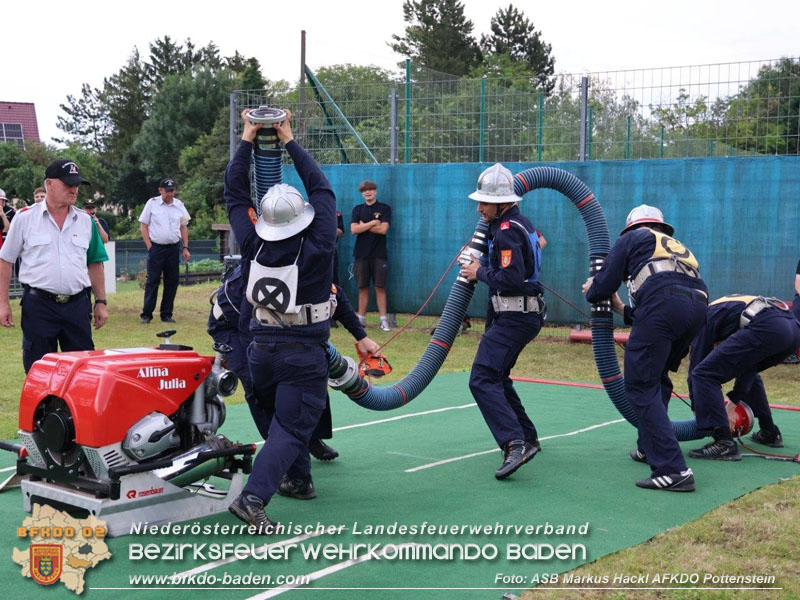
(46, 562)
(62, 548)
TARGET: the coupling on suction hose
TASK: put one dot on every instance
(266, 138)
(344, 374)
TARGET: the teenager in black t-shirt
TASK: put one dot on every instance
(370, 223)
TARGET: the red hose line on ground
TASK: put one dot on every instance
(596, 386)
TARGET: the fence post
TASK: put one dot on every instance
(407, 154)
(232, 125)
(540, 127)
(234, 116)
(628, 140)
(661, 150)
(482, 121)
(584, 117)
(393, 126)
(589, 134)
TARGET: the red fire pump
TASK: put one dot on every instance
(129, 435)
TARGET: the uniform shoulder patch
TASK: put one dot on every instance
(505, 225)
(23, 209)
(251, 212)
(505, 258)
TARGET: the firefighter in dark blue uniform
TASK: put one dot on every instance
(670, 305)
(303, 487)
(289, 249)
(751, 334)
(515, 316)
(223, 328)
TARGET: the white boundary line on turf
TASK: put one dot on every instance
(418, 414)
(323, 573)
(367, 424)
(549, 437)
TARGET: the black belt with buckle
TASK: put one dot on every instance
(58, 298)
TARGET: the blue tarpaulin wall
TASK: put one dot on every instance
(740, 217)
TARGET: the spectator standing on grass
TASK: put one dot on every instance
(515, 316)
(164, 222)
(102, 226)
(8, 211)
(370, 224)
(670, 301)
(61, 264)
(4, 225)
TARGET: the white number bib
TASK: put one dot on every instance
(274, 288)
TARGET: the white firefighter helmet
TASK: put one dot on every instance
(283, 213)
(646, 214)
(495, 186)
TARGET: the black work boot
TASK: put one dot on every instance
(639, 456)
(302, 489)
(320, 450)
(516, 454)
(250, 509)
(718, 450)
(768, 437)
(674, 482)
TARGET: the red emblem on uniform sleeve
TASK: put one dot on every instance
(251, 212)
(505, 258)
(505, 225)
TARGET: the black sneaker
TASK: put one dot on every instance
(718, 450)
(250, 509)
(675, 482)
(516, 454)
(168, 320)
(772, 438)
(145, 320)
(320, 450)
(639, 456)
(535, 443)
(302, 489)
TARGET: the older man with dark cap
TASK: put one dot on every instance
(165, 232)
(61, 263)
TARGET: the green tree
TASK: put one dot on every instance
(86, 121)
(764, 117)
(22, 170)
(167, 58)
(438, 36)
(251, 78)
(203, 164)
(513, 35)
(185, 107)
(126, 96)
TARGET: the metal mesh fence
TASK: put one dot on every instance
(728, 109)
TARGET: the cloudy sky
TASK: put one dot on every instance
(50, 48)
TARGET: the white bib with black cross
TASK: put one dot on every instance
(274, 288)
